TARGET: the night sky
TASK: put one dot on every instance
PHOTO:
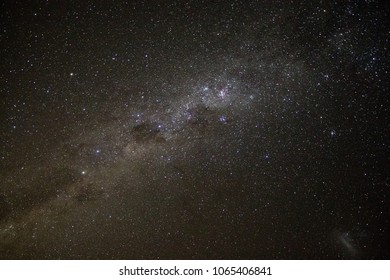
(194, 129)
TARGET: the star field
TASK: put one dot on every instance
(194, 130)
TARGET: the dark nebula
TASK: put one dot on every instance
(194, 130)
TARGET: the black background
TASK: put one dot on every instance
(194, 130)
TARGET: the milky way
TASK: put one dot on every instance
(194, 130)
